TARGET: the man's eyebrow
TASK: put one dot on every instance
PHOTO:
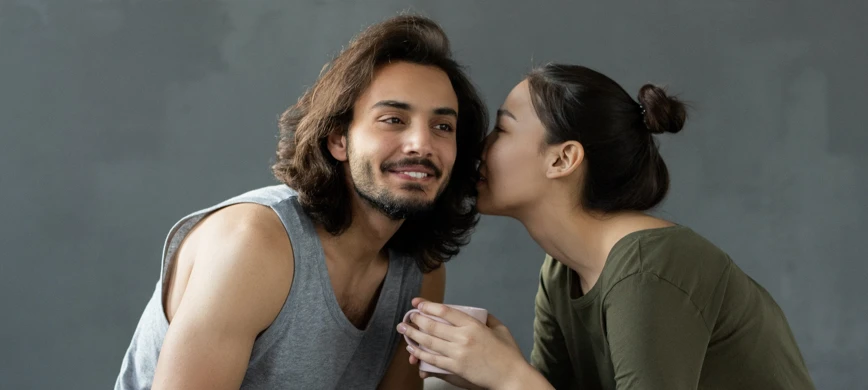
(505, 112)
(446, 111)
(407, 107)
(393, 104)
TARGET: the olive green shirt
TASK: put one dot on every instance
(669, 311)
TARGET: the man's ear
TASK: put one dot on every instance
(337, 144)
(563, 159)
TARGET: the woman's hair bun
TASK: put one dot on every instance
(663, 113)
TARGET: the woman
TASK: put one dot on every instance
(626, 300)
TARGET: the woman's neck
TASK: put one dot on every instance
(583, 240)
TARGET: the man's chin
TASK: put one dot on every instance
(404, 201)
(406, 211)
(416, 188)
(415, 208)
(402, 205)
(413, 197)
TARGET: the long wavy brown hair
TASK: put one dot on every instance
(305, 164)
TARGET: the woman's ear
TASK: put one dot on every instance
(563, 159)
(337, 144)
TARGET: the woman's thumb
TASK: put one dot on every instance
(493, 322)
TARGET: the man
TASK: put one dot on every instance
(301, 285)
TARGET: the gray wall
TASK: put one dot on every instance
(119, 117)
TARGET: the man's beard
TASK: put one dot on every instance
(394, 207)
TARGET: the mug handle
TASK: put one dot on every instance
(406, 319)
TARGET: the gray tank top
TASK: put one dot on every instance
(311, 344)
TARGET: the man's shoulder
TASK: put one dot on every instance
(243, 238)
(268, 194)
(242, 258)
(251, 231)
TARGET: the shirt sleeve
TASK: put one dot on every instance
(657, 336)
(549, 355)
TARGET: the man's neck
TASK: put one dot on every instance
(364, 240)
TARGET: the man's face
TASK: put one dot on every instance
(401, 143)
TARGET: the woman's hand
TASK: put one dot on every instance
(485, 355)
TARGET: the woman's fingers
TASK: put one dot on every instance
(423, 337)
(498, 327)
(438, 361)
(455, 317)
(435, 328)
(493, 322)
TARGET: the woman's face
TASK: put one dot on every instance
(513, 165)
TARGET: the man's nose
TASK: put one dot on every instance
(418, 140)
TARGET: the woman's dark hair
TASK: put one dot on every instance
(305, 163)
(625, 171)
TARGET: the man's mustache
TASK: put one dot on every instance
(392, 165)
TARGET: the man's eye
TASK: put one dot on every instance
(444, 127)
(392, 120)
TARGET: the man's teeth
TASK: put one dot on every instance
(416, 175)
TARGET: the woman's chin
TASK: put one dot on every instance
(484, 206)
(484, 202)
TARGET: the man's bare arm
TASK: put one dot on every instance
(401, 374)
(240, 279)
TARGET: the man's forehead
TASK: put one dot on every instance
(417, 86)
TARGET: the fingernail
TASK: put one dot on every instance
(410, 348)
(413, 317)
(402, 328)
(420, 306)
